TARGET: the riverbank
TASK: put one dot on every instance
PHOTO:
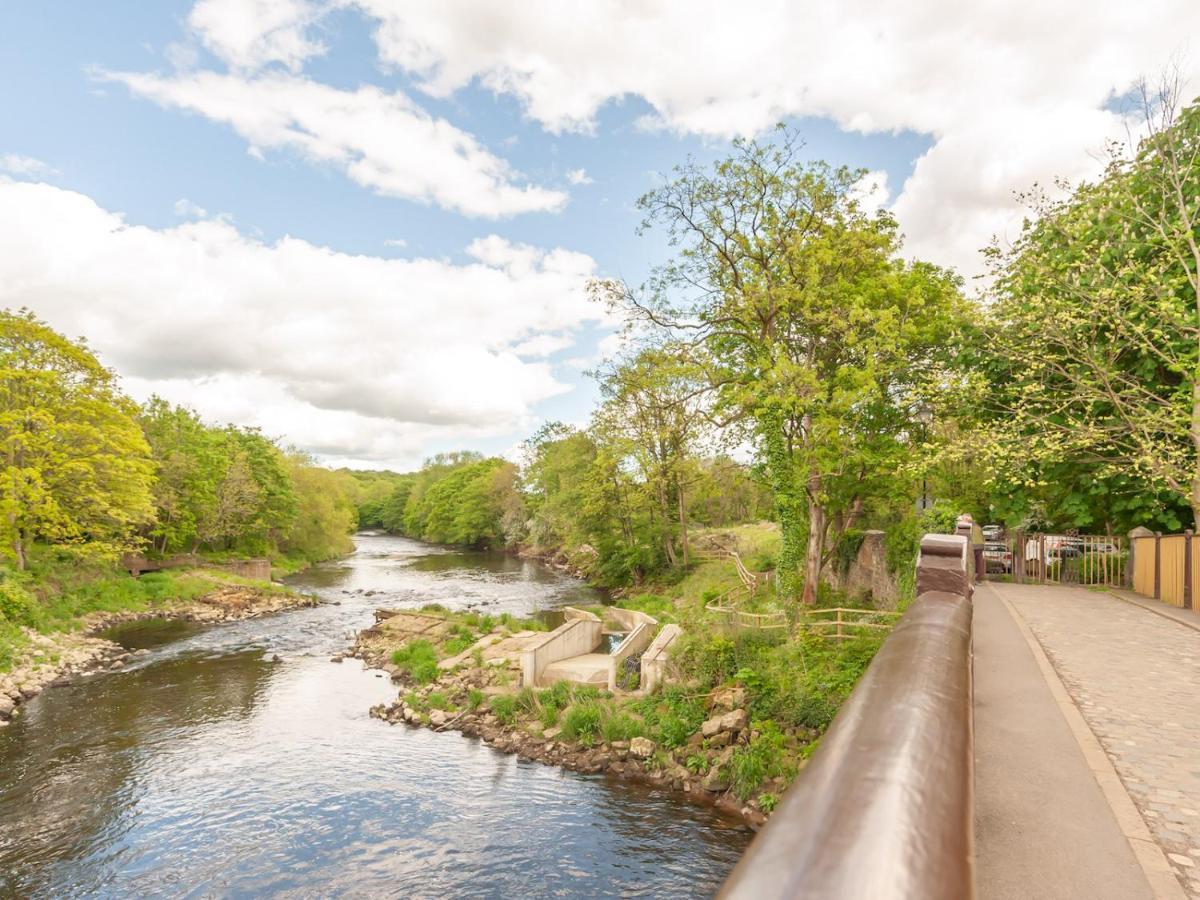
(732, 728)
(40, 660)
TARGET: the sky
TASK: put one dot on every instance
(367, 226)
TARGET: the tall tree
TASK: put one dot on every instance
(816, 335)
(76, 466)
(1094, 349)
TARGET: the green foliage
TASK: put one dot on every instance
(418, 659)
(474, 699)
(582, 722)
(767, 802)
(762, 758)
(77, 470)
(672, 714)
(548, 716)
(504, 708)
(17, 605)
(438, 700)
(620, 726)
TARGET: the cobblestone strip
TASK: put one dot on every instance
(1136, 679)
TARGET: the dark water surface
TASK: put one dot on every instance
(207, 770)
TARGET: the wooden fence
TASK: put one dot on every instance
(1164, 568)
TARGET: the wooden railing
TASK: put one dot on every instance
(845, 623)
(885, 806)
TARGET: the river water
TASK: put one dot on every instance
(207, 769)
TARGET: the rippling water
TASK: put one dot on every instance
(209, 770)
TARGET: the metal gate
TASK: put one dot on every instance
(1041, 558)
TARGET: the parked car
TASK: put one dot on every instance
(993, 532)
(997, 557)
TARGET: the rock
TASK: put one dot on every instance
(336, 658)
(734, 721)
(6, 706)
(719, 740)
(642, 748)
(715, 782)
(620, 745)
(711, 726)
(437, 717)
(729, 699)
(551, 733)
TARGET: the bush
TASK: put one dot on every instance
(17, 604)
(418, 659)
(504, 708)
(619, 726)
(582, 722)
(762, 758)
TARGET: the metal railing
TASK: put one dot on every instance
(885, 807)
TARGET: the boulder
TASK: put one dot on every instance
(6, 706)
(729, 699)
(711, 726)
(642, 748)
(715, 782)
(734, 721)
(438, 717)
(551, 733)
(717, 741)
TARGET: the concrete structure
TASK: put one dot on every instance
(569, 653)
(654, 660)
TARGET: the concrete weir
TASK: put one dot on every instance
(572, 652)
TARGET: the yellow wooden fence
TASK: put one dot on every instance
(1165, 568)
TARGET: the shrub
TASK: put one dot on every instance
(504, 708)
(418, 659)
(17, 604)
(762, 758)
(619, 726)
(582, 722)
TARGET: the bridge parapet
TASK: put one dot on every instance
(885, 806)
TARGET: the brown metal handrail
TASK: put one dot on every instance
(885, 807)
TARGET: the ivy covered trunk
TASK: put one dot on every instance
(788, 503)
(816, 536)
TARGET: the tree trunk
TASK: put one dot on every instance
(787, 503)
(19, 551)
(816, 540)
(683, 529)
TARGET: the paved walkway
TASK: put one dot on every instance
(1135, 677)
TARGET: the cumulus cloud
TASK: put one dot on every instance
(355, 357)
(872, 191)
(248, 34)
(1011, 93)
(380, 139)
(578, 176)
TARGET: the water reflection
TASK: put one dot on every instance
(206, 769)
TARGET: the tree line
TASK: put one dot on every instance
(89, 471)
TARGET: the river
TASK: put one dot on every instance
(208, 769)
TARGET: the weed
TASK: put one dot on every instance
(582, 722)
(474, 699)
(767, 802)
(620, 726)
(437, 700)
(504, 708)
(548, 716)
(418, 659)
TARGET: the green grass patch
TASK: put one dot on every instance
(418, 659)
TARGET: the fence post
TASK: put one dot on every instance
(1018, 564)
(1157, 565)
(1187, 569)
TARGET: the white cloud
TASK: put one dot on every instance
(395, 242)
(355, 357)
(872, 191)
(16, 164)
(578, 176)
(1011, 93)
(185, 208)
(381, 140)
(248, 34)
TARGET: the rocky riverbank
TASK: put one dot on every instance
(60, 657)
(696, 770)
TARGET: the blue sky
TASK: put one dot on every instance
(75, 124)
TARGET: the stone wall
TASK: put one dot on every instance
(868, 574)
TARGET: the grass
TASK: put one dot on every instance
(582, 722)
(419, 659)
(504, 708)
(59, 590)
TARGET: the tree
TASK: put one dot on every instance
(325, 514)
(815, 335)
(76, 466)
(190, 460)
(1093, 354)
